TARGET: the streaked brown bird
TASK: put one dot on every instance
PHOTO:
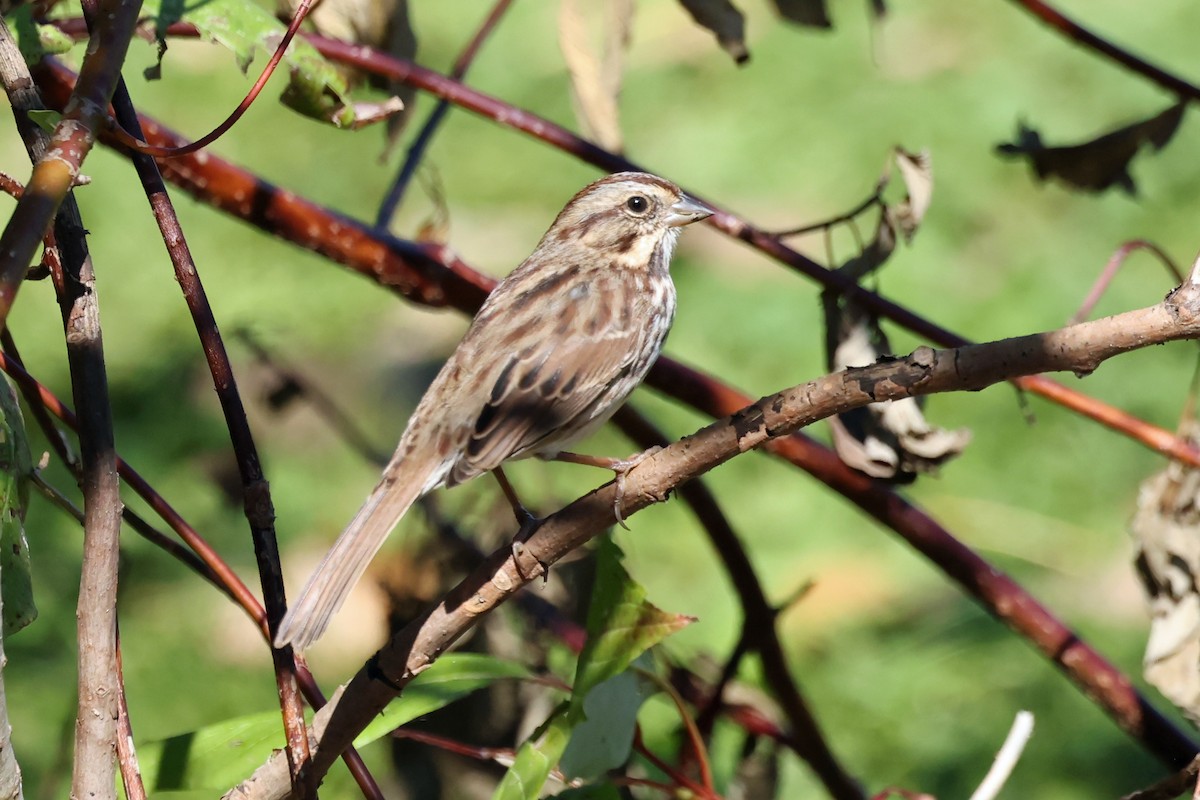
(553, 353)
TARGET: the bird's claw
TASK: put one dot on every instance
(622, 468)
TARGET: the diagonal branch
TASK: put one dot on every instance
(1079, 348)
(319, 237)
(1077, 33)
(433, 275)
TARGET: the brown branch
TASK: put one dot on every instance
(58, 158)
(1171, 786)
(47, 198)
(131, 774)
(1081, 35)
(1079, 348)
(256, 493)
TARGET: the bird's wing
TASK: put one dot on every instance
(589, 338)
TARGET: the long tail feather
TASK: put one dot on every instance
(347, 560)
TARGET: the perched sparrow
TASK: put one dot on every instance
(553, 353)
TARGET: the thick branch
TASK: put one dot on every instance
(49, 199)
(1080, 348)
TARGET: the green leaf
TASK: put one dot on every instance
(44, 119)
(604, 739)
(536, 758)
(451, 677)
(35, 40)
(213, 757)
(16, 580)
(219, 755)
(315, 88)
(622, 625)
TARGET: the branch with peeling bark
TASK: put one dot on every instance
(1079, 348)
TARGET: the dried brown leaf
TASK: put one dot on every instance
(1166, 527)
(596, 71)
(1101, 163)
(812, 13)
(724, 19)
(917, 171)
(890, 440)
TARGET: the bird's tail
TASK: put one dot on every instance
(347, 560)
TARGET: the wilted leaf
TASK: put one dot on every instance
(1165, 527)
(315, 88)
(812, 13)
(16, 582)
(917, 171)
(724, 19)
(596, 76)
(1100, 163)
(891, 440)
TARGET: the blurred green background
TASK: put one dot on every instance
(914, 685)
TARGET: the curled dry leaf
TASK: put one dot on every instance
(916, 169)
(890, 440)
(1166, 527)
(1101, 163)
(596, 71)
(812, 13)
(725, 20)
(382, 24)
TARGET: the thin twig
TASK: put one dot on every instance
(1081, 35)
(825, 225)
(416, 150)
(1007, 758)
(1113, 266)
(326, 407)
(260, 511)
(132, 138)
(131, 773)
(695, 740)
(1171, 786)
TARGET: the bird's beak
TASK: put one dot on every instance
(687, 210)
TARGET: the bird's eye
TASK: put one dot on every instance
(637, 204)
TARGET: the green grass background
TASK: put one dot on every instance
(914, 685)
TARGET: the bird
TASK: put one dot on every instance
(554, 351)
